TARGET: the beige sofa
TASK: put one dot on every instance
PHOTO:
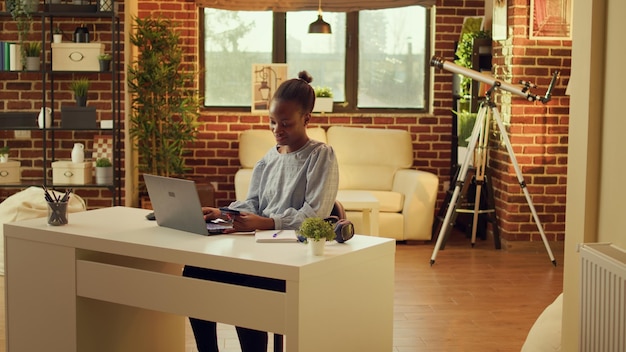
(376, 160)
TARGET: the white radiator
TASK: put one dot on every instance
(603, 298)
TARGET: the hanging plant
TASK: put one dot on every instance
(20, 11)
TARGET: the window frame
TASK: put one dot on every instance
(279, 55)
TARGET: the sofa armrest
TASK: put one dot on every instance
(420, 195)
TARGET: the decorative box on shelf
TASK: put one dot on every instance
(10, 172)
(78, 116)
(76, 56)
(70, 173)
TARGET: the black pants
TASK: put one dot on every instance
(205, 332)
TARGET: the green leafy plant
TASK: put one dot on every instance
(323, 92)
(164, 99)
(316, 229)
(103, 162)
(464, 56)
(80, 86)
(32, 49)
(4, 150)
(57, 30)
(105, 57)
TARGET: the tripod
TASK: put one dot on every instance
(480, 138)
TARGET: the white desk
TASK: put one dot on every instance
(111, 281)
(364, 202)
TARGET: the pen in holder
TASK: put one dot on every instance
(57, 207)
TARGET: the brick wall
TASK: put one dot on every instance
(538, 133)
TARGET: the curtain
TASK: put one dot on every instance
(301, 5)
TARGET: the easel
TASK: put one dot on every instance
(480, 133)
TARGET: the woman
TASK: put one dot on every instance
(296, 179)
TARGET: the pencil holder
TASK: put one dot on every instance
(57, 213)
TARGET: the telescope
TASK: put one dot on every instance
(523, 91)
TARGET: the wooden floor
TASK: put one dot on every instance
(472, 299)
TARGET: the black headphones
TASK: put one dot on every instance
(344, 229)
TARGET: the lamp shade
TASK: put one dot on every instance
(320, 26)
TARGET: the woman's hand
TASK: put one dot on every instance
(211, 213)
(251, 222)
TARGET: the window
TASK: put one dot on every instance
(385, 69)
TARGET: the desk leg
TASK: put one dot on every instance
(40, 296)
(360, 310)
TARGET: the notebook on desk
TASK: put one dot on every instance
(176, 205)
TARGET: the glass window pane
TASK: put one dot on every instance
(233, 41)
(392, 58)
(322, 55)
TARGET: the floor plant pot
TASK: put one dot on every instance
(33, 64)
(317, 247)
(104, 175)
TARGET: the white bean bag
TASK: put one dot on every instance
(545, 334)
(29, 204)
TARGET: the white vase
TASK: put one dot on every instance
(317, 247)
(57, 38)
(78, 153)
(44, 119)
(4, 158)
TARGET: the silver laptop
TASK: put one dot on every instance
(176, 205)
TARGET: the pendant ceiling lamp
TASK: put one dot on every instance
(319, 26)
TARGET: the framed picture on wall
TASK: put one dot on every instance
(551, 19)
(265, 79)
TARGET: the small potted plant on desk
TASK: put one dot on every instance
(32, 50)
(105, 62)
(104, 171)
(80, 87)
(316, 231)
(4, 154)
(323, 99)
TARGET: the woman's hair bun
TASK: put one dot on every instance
(305, 76)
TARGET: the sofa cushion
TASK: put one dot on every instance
(254, 144)
(366, 151)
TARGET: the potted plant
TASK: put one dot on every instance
(316, 231)
(323, 99)
(57, 34)
(4, 154)
(80, 87)
(104, 171)
(164, 98)
(105, 62)
(32, 50)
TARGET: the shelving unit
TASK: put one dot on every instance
(57, 141)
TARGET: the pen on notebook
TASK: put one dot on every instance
(276, 234)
